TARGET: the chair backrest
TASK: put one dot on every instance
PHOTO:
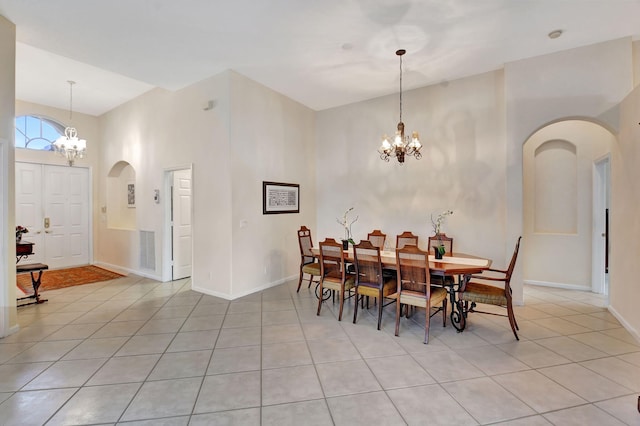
(512, 264)
(331, 260)
(412, 265)
(377, 238)
(442, 239)
(406, 238)
(305, 243)
(368, 264)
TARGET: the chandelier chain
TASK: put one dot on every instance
(71, 83)
(400, 88)
(69, 145)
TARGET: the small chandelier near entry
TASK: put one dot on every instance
(401, 145)
(69, 146)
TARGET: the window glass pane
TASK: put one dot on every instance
(48, 132)
(36, 133)
(21, 141)
(21, 123)
(39, 143)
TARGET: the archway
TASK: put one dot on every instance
(121, 184)
(558, 203)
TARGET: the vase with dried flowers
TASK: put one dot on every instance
(346, 224)
(437, 230)
(19, 231)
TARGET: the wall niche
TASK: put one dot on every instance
(121, 196)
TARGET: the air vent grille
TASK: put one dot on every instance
(147, 250)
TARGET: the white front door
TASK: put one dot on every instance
(53, 203)
(181, 224)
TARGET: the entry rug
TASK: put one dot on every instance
(61, 278)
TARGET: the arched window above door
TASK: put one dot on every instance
(38, 133)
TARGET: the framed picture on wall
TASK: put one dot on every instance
(278, 197)
(131, 194)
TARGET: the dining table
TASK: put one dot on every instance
(459, 266)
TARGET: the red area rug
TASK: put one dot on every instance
(61, 278)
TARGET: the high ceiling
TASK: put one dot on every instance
(322, 53)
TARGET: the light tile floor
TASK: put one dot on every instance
(139, 352)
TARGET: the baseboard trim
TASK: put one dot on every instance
(557, 285)
(625, 324)
(228, 296)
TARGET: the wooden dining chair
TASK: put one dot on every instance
(308, 262)
(406, 238)
(370, 281)
(333, 273)
(442, 240)
(482, 291)
(414, 286)
(436, 241)
(377, 238)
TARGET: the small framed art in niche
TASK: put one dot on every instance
(280, 197)
(131, 194)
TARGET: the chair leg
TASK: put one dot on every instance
(512, 320)
(355, 309)
(380, 309)
(300, 280)
(310, 281)
(426, 327)
(341, 304)
(398, 309)
(320, 297)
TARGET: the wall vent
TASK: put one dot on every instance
(148, 250)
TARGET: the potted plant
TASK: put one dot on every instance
(439, 250)
(346, 224)
(19, 231)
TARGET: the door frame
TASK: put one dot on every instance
(166, 228)
(6, 256)
(90, 206)
(601, 202)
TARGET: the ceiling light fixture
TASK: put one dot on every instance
(555, 34)
(401, 145)
(69, 146)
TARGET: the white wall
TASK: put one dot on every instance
(272, 140)
(8, 316)
(463, 166)
(561, 255)
(161, 130)
(624, 268)
(586, 82)
(252, 134)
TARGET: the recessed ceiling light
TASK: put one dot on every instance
(555, 34)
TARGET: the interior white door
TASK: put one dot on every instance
(181, 224)
(53, 203)
(600, 227)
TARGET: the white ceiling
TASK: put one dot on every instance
(322, 53)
